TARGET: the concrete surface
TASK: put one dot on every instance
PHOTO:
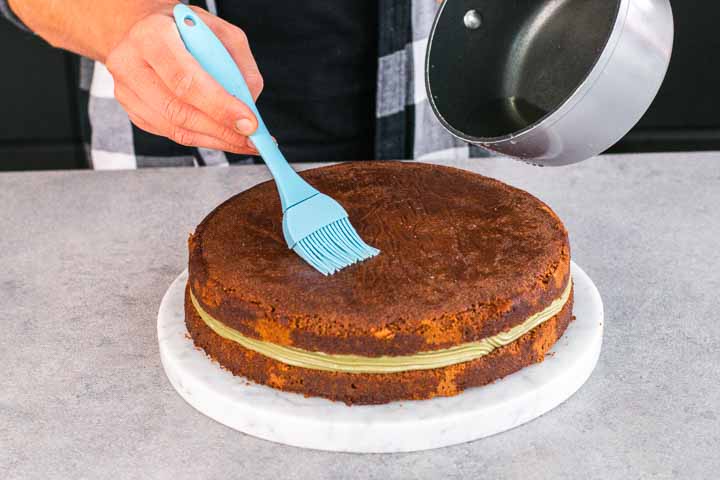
(85, 258)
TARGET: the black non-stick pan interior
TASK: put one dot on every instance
(524, 60)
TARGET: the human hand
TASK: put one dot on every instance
(166, 92)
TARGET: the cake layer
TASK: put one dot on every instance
(356, 364)
(363, 388)
(464, 258)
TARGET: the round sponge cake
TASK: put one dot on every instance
(466, 261)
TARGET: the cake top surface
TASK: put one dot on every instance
(452, 243)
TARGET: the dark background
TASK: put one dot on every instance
(40, 128)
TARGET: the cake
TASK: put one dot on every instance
(473, 284)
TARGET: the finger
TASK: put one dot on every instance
(187, 80)
(191, 139)
(238, 45)
(179, 113)
(181, 135)
(136, 76)
(153, 122)
(143, 124)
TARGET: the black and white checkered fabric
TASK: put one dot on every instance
(406, 128)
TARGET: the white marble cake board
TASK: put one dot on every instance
(317, 423)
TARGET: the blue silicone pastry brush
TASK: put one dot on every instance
(315, 226)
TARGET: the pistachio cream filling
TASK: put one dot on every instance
(385, 364)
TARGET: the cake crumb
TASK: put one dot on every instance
(384, 334)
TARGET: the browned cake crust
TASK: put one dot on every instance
(463, 257)
(353, 388)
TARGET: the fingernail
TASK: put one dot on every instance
(251, 144)
(244, 126)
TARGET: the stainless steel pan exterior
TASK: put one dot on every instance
(599, 110)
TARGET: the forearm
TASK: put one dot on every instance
(88, 27)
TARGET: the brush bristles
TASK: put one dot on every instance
(334, 247)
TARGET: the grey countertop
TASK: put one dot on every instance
(85, 258)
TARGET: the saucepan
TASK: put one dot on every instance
(551, 82)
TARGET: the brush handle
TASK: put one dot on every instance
(214, 58)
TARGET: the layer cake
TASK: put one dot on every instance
(473, 284)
